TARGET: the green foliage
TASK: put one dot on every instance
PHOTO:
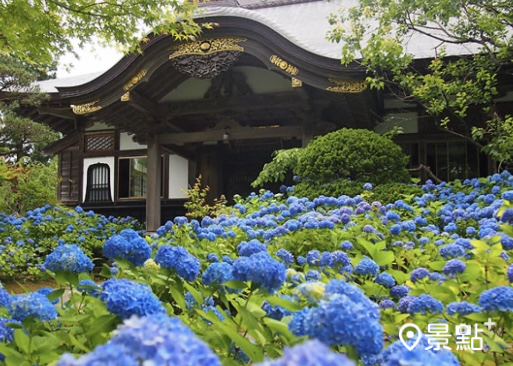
(283, 162)
(27, 186)
(20, 136)
(358, 155)
(335, 189)
(197, 204)
(35, 31)
(499, 133)
(378, 35)
(391, 192)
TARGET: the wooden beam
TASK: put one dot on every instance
(242, 133)
(153, 179)
(289, 100)
(63, 112)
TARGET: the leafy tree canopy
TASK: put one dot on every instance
(20, 136)
(41, 31)
(378, 34)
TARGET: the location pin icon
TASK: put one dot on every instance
(409, 335)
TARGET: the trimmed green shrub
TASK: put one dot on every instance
(358, 155)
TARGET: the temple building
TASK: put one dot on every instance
(264, 78)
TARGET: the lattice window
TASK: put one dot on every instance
(101, 142)
(98, 183)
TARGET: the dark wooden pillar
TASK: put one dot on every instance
(154, 178)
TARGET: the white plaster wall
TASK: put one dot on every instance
(178, 176)
(126, 142)
(90, 161)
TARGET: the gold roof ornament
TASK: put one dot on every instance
(134, 80)
(347, 86)
(85, 108)
(208, 46)
(284, 65)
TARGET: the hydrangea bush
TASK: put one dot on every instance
(279, 279)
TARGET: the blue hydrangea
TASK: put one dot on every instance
(217, 273)
(327, 259)
(262, 270)
(340, 259)
(346, 245)
(398, 355)
(46, 291)
(454, 266)
(387, 304)
(68, 257)
(309, 353)
(462, 308)
(245, 249)
(212, 258)
(5, 297)
(127, 245)
(367, 267)
(452, 251)
(335, 321)
(399, 291)
(508, 195)
(178, 259)
(89, 287)
(313, 275)
(497, 299)
(125, 298)
(404, 303)
(509, 273)
(507, 215)
(34, 305)
(385, 279)
(313, 257)
(418, 274)
(396, 229)
(276, 312)
(425, 303)
(367, 186)
(6, 332)
(151, 340)
(286, 256)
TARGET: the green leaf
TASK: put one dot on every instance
(383, 258)
(437, 265)
(22, 340)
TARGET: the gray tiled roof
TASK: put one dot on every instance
(303, 22)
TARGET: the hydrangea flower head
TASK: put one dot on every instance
(217, 273)
(68, 257)
(385, 279)
(454, 266)
(151, 340)
(286, 256)
(452, 251)
(418, 274)
(262, 270)
(32, 305)
(425, 303)
(509, 273)
(125, 298)
(399, 291)
(497, 299)
(398, 355)
(127, 245)
(309, 353)
(338, 320)
(367, 267)
(462, 308)
(178, 259)
(245, 249)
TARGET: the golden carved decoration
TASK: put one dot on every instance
(284, 65)
(296, 83)
(125, 97)
(134, 80)
(347, 86)
(86, 107)
(208, 46)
